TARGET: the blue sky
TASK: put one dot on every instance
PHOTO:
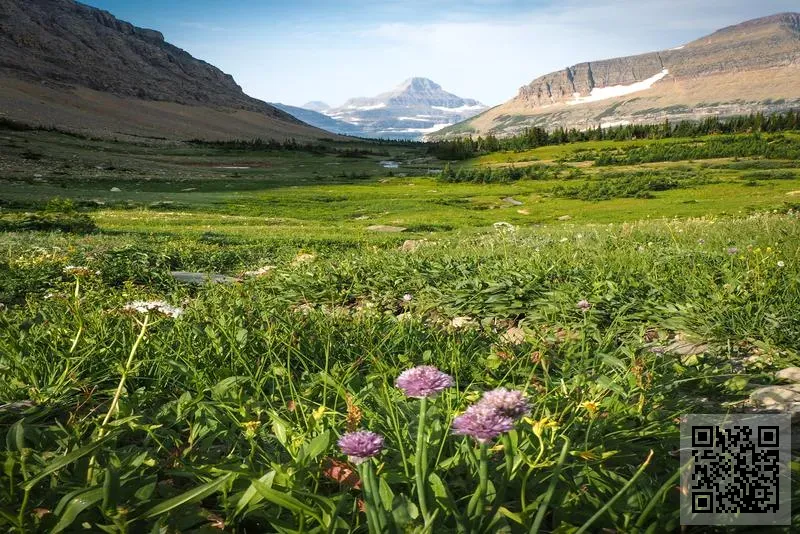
(293, 51)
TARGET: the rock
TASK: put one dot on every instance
(504, 226)
(565, 218)
(385, 228)
(790, 374)
(686, 348)
(410, 245)
(200, 279)
(512, 201)
(778, 398)
(463, 322)
(513, 336)
(115, 190)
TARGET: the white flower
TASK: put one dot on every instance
(407, 297)
(781, 264)
(157, 306)
(504, 226)
(80, 271)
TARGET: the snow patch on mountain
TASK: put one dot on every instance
(613, 91)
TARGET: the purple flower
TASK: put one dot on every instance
(423, 381)
(511, 403)
(361, 445)
(482, 422)
(583, 305)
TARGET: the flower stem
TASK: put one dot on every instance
(117, 393)
(537, 522)
(371, 497)
(619, 494)
(124, 377)
(421, 461)
(478, 501)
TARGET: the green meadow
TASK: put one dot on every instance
(219, 406)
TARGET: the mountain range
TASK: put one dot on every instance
(752, 66)
(69, 65)
(409, 111)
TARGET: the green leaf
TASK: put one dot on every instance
(316, 446)
(251, 495)
(279, 429)
(284, 500)
(65, 460)
(15, 439)
(613, 361)
(73, 504)
(608, 383)
(110, 488)
(194, 494)
(221, 387)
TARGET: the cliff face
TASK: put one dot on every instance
(581, 79)
(62, 41)
(73, 66)
(768, 42)
(748, 67)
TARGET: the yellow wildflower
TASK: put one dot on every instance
(589, 406)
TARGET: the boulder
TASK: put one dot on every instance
(790, 374)
(385, 228)
(200, 279)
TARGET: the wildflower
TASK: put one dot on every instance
(540, 425)
(732, 251)
(511, 403)
(423, 381)
(589, 406)
(482, 422)
(354, 414)
(407, 297)
(701, 241)
(583, 305)
(157, 306)
(781, 263)
(80, 271)
(251, 428)
(361, 445)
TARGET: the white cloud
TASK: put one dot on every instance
(482, 49)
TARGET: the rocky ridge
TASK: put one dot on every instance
(69, 55)
(752, 66)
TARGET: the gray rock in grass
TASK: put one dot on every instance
(200, 279)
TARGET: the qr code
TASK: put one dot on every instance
(735, 469)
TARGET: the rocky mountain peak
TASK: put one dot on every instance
(418, 85)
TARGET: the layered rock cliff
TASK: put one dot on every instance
(62, 47)
(752, 66)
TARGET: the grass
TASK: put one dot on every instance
(227, 416)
